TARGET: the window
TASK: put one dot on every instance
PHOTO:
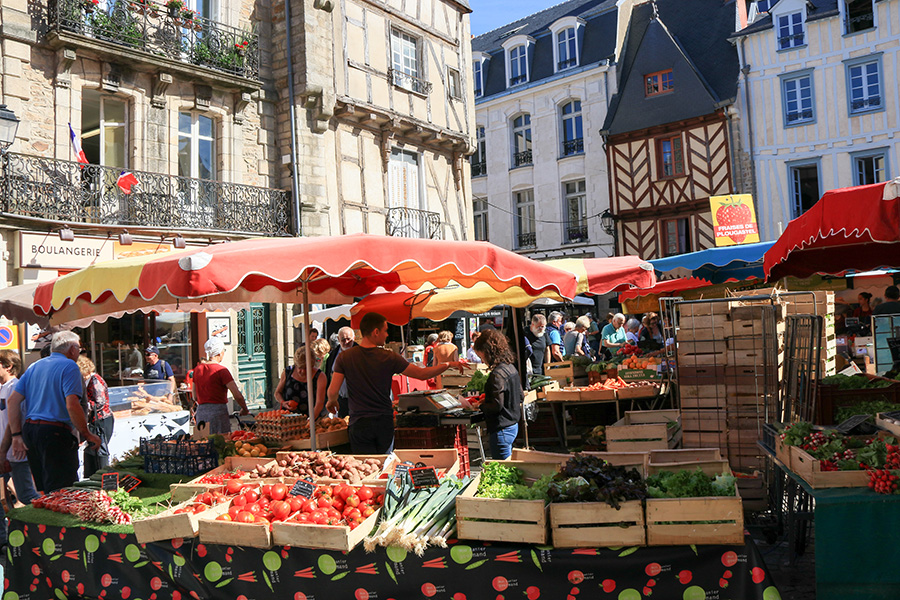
(764, 5)
(525, 232)
(576, 212)
(103, 129)
(480, 214)
(567, 49)
(671, 157)
(479, 158)
(869, 167)
(405, 217)
(790, 31)
(518, 65)
(521, 142)
(864, 85)
(197, 159)
(797, 99)
(405, 62)
(804, 181)
(572, 131)
(859, 15)
(454, 88)
(477, 83)
(676, 236)
(659, 83)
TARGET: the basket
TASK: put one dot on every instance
(178, 456)
(424, 437)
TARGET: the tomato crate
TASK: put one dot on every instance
(424, 437)
(594, 524)
(168, 524)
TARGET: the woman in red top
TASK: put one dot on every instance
(864, 310)
(212, 382)
(99, 417)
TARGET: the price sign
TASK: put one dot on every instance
(109, 482)
(424, 477)
(852, 423)
(304, 488)
(129, 482)
(402, 468)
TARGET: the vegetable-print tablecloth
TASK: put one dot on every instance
(47, 562)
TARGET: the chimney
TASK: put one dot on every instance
(741, 7)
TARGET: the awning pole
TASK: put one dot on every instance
(311, 398)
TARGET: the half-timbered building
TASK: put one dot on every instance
(670, 140)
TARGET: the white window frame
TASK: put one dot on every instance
(579, 196)
(480, 219)
(479, 69)
(106, 125)
(517, 50)
(865, 102)
(796, 198)
(523, 131)
(479, 157)
(881, 175)
(845, 17)
(195, 137)
(454, 84)
(795, 80)
(408, 70)
(573, 28)
(524, 217)
(576, 116)
(787, 33)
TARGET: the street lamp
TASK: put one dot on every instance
(9, 124)
(608, 222)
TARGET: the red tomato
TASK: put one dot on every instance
(338, 503)
(265, 490)
(246, 516)
(224, 517)
(264, 502)
(367, 511)
(261, 520)
(302, 517)
(278, 491)
(239, 501)
(251, 496)
(333, 513)
(352, 500)
(379, 500)
(365, 493)
(254, 508)
(351, 513)
(309, 505)
(318, 517)
(233, 487)
(324, 501)
(205, 498)
(199, 508)
(280, 510)
(296, 503)
(233, 511)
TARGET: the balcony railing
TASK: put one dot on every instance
(517, 80)
(799, 116)
(565, 64)
(576, 234)
(527, 240)
(571, 147)
(176, 34)
(413, 223)
(33, 186)
(409, 82)
(479, 169)
(520, 159)
(862, 104)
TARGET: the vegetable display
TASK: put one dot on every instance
(499, 480)
(689, 484)
(837, 452)
(476, 384)
(591, 479)
(320, 465)
(93, 505)
(854, 382)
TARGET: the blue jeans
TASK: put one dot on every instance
(502, 441)
(23, 482)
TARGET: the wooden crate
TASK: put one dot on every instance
(703, 439)
(322, 537)
(703, 419)
(742, 358)
(553, 386)
(644, 430)
(167, 525)
(598, 395)
(500, 520)
(713, 466)
(709, 390)
(444, 459)
(630, 460)
(888, 423)
(783, 452)
(595, 524)
(536, 456)
(638, 391)
(561, 371)
(700, 374)
(809, 469)
(682, 455)
(564, 395)
(702, 321)
(701, 347)
(680, 521)
(324, 440)
(185, 491)
(210, 531)
(701, 309)
(700, 334)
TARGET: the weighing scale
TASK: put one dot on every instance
(428, 401)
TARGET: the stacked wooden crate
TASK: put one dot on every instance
(727, 375)
(821, 304)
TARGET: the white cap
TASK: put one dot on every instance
(214, 347)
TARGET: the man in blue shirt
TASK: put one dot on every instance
(156, 368)
(555, 331)
(53, 388)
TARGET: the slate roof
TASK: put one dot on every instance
(691, 38)
(816, 9)
(598, 43)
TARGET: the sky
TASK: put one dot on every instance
(490, 14)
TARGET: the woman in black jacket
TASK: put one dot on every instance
(502, 406)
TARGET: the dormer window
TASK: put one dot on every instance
(859, 15)
(478, 70)
(661, 82)
(567, 33)
(518, 65)
(791, 33)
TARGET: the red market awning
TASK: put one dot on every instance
(855, 228)
(666, 288)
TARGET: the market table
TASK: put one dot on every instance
(54, 562)
(855, 541)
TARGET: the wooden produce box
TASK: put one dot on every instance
(185, 491)
(553, 386)
(810, 470)
(644, 430)
(681, 455)
(598, 395)
(702, 321)
(679, 521)
(712, 466)
(888, 423)
(256, 535)
(536, 456)
(700, 334)
(324, 440)
(563, 372)
(638, 391)
(501, 520)
(635, 460)
(446, 460)
(167, 525)
(566, 395)
(324, 537)
(595, 524)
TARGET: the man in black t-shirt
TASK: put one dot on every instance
(537, 344)
(368, 370)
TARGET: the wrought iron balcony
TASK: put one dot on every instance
(59, 190)
(177, 34)
(517, 80)
(571, 147)
(409, 82)
(799, 116)
(565, 64)
(576, 234)
(862, 104)
(520, 159)
(479, 169)
(413, 223)
(527, 240)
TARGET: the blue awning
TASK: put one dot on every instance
(719, 264)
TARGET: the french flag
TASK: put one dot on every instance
(126, 181)
(76, 146)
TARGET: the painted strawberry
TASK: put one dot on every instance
(734, 213)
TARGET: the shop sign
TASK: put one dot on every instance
(734, 219)
(47, 251)
(9, 337)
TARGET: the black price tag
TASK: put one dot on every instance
(424, 477)
(402, 468)
(304, 488)
(129, 482)
(109, 482)
(852, 423)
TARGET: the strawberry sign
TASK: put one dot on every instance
(734, 219)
